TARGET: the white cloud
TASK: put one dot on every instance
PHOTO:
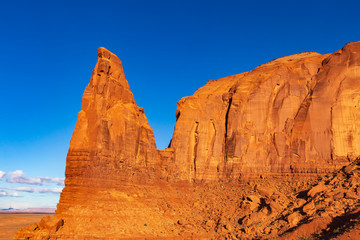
(7, 194)
(36, 190)
(18, 176)
(2, 174)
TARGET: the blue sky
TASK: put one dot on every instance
(168, 49)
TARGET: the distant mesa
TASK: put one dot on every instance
(28, 210)
(240, 146)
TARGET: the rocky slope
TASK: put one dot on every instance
(232, 170)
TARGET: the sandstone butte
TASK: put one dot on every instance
(267, 154)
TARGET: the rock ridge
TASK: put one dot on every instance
(238, 144)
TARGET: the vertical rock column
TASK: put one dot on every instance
(112, 143)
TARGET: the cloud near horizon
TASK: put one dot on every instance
(2, 174)
(18, 176)
(7, 194)
(36, 190)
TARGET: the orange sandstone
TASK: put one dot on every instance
(295, 117)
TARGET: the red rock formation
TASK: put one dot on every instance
(112, 147)
(111, 133)
(295, 116)
(112, 141)
(113, 187)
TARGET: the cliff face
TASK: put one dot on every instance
(296, 116)
(112, 142)
(112, 136)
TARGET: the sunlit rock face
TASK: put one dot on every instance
(111, 150)
(112, 142)
(333, 115)
(296, 115)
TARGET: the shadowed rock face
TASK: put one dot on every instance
(296, 116)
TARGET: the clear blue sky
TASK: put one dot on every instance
(168, 49)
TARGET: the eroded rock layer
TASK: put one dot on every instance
(296, 116)
(112, 142)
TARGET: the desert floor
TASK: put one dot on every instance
(10, 223)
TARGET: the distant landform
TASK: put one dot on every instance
(29, 210)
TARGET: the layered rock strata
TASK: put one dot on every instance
(295, 116)
(112, 142)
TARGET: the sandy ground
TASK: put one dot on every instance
(10, 223)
